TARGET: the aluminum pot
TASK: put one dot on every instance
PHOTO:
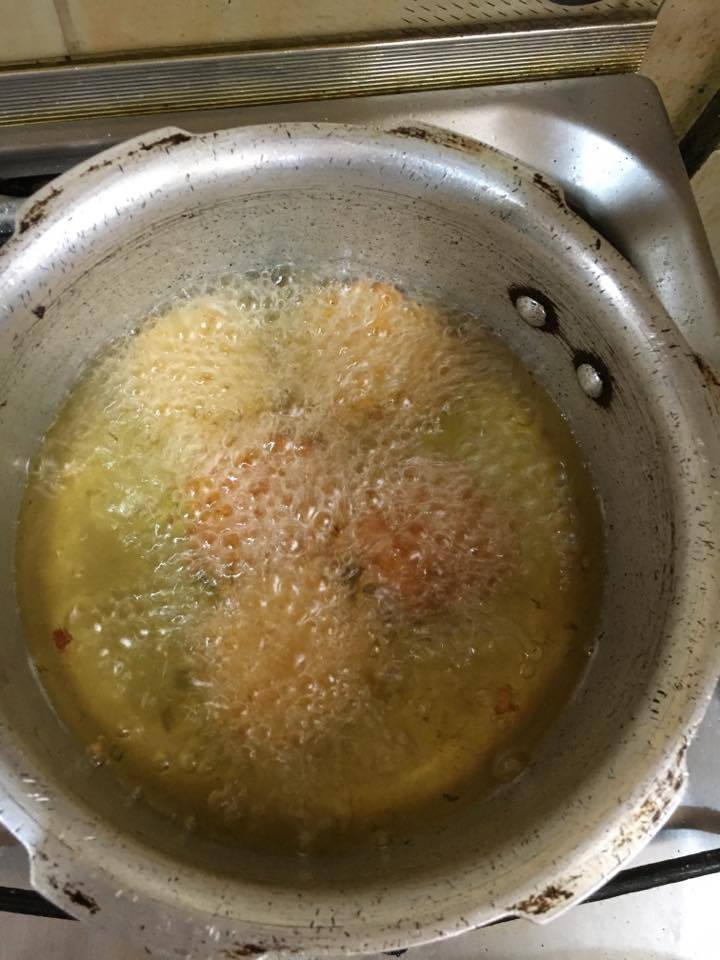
(97, 249)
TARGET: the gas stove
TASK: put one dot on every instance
(606, 142)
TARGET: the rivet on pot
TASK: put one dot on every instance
(590, 380)
(531, 310)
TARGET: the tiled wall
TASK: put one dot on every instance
(684, 58)
(42, 29)
(706, 184)
(30, 30)
(103, 26)
(684, 62)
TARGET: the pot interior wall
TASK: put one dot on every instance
(468, 256)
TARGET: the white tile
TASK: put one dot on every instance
(30, 31)
(706, 184)
(106, 25)
(684, 58)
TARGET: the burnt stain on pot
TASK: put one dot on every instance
(39, 311)
(164, 143)
(97, 166)
(244, 950)
(172, 140)
(80, 899)
(651, 811)
(708, 375)
(540, 903)
(37, 210)
(550, 190)
(445, 138)
(657, 806)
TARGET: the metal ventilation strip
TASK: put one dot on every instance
(216, 80)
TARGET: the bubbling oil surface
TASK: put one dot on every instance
(305, 559)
